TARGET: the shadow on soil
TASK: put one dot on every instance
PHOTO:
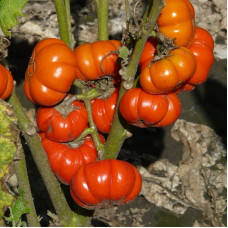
(213, 100)
(19, 54)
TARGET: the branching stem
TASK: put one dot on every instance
(118, 132)
(66, 216)
(86, 95)
(87, 131)
(99, 146)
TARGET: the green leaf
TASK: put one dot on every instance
(7, 141)
(10, 10)
(153, 33)
(6, 200)
(124, 52)
(7, 151)
(7, 117)
(17, 210)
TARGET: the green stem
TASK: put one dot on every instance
(102, 13)
(68, 21)
(91, 94)
(136, 82)
(21, 172)
(66, 216)
(86, 96)
(158, 50)
(87, 131)
(118, 133)
(95, 136)
(128, 14)
(65, 34)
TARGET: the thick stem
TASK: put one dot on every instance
(66, 216)
(65, 34)
(102, 13)
(128, 13)
(118, 133)
(68, 21)
(21, 172)
(147, 28)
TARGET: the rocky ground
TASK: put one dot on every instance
(180, 164)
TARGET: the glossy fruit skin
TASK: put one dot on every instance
(103, 112)
(202, 47)
(143, 110)
(6, 82)
(173, 112)
(105, 183)
(185, 87)
(167, 74)
(60, 128)
(64, 160)
(88, 59)
(177, 21)
(50, 73)
(148, 52)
